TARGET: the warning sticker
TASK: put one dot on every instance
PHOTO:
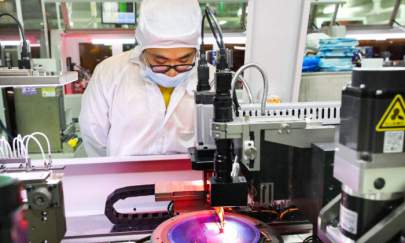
(394, 116)
(394, 142)
(48, 92)
(348, 219)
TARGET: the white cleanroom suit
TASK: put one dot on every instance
(124, 113)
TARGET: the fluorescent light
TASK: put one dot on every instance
(17, 43)
(239, 12)
(110, 42)
(227, 39)
(329, 9)
(11, 43)
(380, 36)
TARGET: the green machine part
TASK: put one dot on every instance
(40, 110)
(45, 211)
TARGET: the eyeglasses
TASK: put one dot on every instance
(180, 68)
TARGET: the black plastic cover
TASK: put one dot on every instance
(360, 114)
(232, 194)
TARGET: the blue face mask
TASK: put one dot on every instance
(164, 80)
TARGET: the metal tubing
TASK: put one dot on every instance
(265, 83)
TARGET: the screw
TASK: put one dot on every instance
(379, 183)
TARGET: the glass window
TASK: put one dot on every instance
(366, 12)
(89, 14)
(355, 12)
(231, 15)
(32, 15)
(86, 14)
(321, 14)
(401, 14)
(7, 6)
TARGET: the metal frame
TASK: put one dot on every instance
(285, 124)
(65, 15)
(314, 8)
(389, 24)
(327, 113)
(394, 12)
(45, 25)
(28, 79)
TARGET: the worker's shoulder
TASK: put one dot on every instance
(115, 64)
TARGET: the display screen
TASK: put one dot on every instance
(118, 13)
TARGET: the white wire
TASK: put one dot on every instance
(2, 152)
(23, 151)
(7, 146)
(3, 149)
(10, 150)
(21, 147)
(15, 147)
(18, 143)
(27, 139)
(235, 168)
(47, 142)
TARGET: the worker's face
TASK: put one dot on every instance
(170, 56)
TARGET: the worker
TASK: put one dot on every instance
(141, 102)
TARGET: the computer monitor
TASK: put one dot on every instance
(118, 13)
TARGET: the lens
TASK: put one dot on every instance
(160, 69)
(184, 68)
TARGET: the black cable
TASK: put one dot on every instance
(236, 105)
(18, 23)
(308, 239)
(215, 27)
(400, 25)
(213, 30)
(170, 209)
(25, 56)
(312, 238)
(144, 239)
(218, 35)
(202, 29)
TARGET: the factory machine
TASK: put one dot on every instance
(31, 197)
(267, 170)
(370, 161)
(38, 213)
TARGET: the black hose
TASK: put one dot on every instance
(25, 56)
(19, 26)
(215, 28)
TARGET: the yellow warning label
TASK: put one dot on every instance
(394, 116)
